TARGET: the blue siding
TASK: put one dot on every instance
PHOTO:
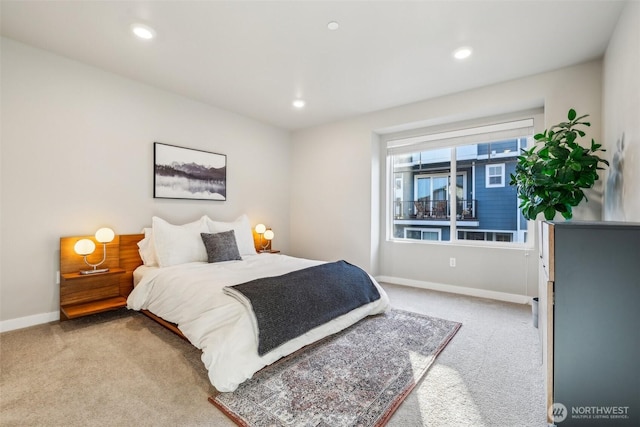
(496, 205)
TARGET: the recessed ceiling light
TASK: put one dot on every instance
(143, 31)
(333, 25)
(299, 103)
(462, 53)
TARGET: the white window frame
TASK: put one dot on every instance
(488, 175)
(452, 135)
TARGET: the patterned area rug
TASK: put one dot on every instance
(357, 377)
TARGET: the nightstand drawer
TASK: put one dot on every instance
(83, 294)
(92, 282)
(89, 293)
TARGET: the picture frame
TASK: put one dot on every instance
(188, 173)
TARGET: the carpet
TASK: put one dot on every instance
(357, 377)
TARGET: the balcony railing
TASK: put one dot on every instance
(434, 209)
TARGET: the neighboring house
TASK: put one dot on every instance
(486, 206)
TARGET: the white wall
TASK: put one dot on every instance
(77, 154)
(61, 119)
(621, 116)
(336, 175)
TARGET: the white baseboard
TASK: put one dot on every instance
(25, 322)
(474, 292)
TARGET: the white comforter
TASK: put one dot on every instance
(191, 296)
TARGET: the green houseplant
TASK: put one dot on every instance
(551, 176)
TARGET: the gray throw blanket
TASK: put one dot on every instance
(287, 306)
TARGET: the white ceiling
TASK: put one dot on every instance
(255, 57)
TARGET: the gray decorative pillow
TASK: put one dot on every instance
(221, 246)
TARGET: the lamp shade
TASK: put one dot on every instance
(105, 235)
(260, 228)
(84, 247)
(268, 234)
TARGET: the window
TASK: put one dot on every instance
(451, 186)
(422, 233)
(490, 236)
(495, 175)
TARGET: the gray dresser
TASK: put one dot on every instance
(589, 321)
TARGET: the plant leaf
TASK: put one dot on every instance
(544, 153)
(549, 213)
(550, 180)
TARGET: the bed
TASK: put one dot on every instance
(187, 286)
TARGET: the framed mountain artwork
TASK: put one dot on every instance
(187, 173)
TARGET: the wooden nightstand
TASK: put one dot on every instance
(84, 294)
(269, 251)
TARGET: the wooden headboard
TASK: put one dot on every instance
(122, 252)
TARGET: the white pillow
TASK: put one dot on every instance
(147, 249)
(242, 230)
(179, 244)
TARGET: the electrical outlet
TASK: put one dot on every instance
(452, 262)
(58, 277)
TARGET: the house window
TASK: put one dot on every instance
(447, 186)
(494, 175)
(488, 236)
(422, 233)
